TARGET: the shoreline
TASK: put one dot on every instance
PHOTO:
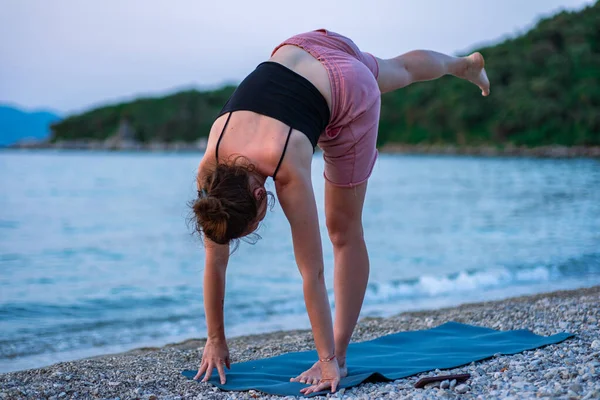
(550, 151)
(566, 370)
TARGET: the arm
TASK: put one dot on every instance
(217, 257)
(298, 202)
(216, 352)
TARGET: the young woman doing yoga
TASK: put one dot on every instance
(317, 88)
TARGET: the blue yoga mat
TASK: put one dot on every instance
(386, 358)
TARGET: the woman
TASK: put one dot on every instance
(317, 88)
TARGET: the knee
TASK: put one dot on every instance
(344, 229)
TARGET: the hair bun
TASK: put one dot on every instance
(210, 208)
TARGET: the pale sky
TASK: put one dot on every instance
(71, 55)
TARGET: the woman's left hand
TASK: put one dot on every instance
(330, 378)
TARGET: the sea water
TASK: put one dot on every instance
(97, 256)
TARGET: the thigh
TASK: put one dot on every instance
(349, 141)
(343, 207)
(350, 154)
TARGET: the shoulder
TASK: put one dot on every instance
(296, 162)
(205, 168)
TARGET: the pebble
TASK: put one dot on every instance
(452, 384)
(576, 387)
(432, 385)
(565, 370)
(462, 388)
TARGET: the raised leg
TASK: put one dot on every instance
(425, 65)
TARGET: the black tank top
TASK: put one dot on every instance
(278, 92)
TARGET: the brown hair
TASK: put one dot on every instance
(226, 205)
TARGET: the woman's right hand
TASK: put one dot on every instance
(330, 378)
(216, 354)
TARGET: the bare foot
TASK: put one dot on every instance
(312, 376)
(475, 72)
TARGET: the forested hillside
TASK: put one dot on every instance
(544, 90)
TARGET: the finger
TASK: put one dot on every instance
(201, 370)
(322, 386)
(228, 363)
(315, 388)
(306, 390)
(221, 373)
(209, 371)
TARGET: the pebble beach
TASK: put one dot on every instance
(568, 370)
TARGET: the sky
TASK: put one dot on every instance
(72, 55)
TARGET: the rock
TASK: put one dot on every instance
(594, 394)
(564, 373)
(549, 375)
(462, 388)
(62, 394)
(452, 384)
(445, 384)
(519, 385)
(596, 344)
(576, 387)
(563, 325)
(432, 385)
(586, 377)
(572, 395)
(544, 392)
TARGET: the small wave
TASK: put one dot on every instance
(455, 284)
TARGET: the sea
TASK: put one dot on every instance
(97, 254)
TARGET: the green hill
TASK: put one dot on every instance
(545, 91)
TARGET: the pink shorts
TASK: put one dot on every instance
(349, 141)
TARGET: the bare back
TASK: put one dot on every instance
(261, 139)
